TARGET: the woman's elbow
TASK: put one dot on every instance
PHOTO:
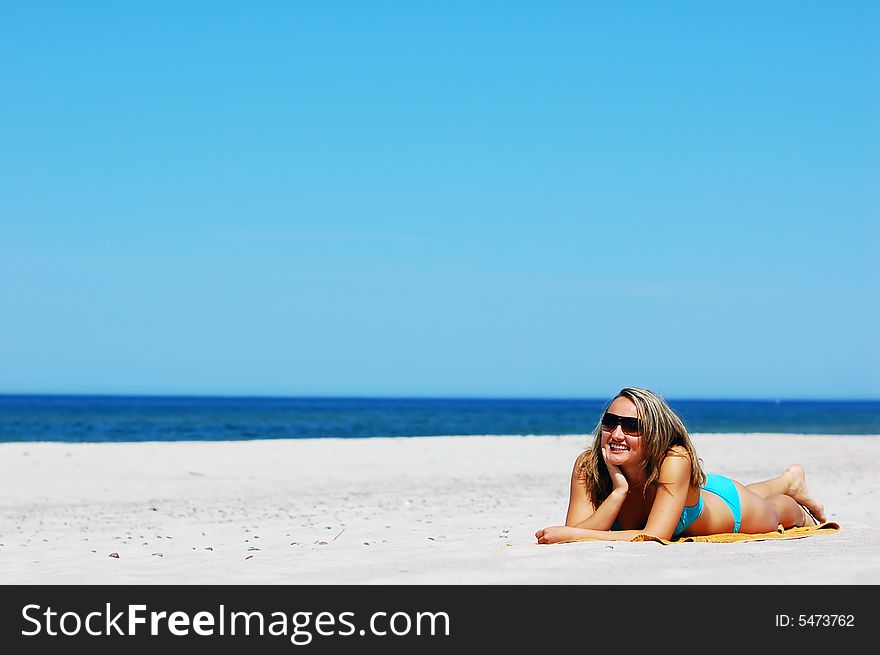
(659, 532)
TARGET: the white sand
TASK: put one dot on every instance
(447, 510)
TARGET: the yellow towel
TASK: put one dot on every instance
(829, 527)
(792, 533)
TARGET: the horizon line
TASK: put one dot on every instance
(777, 399)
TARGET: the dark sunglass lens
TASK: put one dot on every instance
(609, 421)
(630, 425)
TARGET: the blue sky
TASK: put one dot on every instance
(440, 199)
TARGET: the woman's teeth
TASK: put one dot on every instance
(618, 449)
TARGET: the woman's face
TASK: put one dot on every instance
(622, 448)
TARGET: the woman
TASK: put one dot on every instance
(642, 476)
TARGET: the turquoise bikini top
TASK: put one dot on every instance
(690, 514)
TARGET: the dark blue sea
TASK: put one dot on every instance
(158, 418)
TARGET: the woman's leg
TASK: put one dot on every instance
(771, 487)
(792, 482)
(766, 514)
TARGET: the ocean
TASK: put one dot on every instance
(79, 418)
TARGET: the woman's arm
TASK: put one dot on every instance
(579, 505)
(557, 533)
(669, 503)
(671, 496)
(582, 514)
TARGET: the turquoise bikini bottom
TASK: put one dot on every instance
(722, 487)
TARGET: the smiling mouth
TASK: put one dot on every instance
(617, 448)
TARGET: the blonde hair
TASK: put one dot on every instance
(663, 434)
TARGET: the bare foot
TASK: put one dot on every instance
(797, 489)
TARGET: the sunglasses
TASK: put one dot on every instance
(630, 425)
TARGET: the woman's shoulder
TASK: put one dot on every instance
(677, 461)
(581, 463)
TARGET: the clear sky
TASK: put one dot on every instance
(440, 198)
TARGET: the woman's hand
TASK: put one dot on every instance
(556, 533)
(618, 480)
